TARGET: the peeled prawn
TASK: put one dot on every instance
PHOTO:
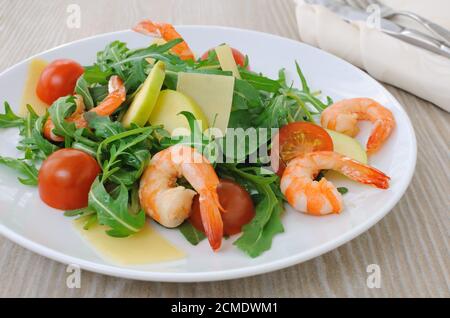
(116, 96)
(321, 197)
(168, 33)
(343, 116)
(170, 204)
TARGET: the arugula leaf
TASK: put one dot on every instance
(245, 96)
(259, 81)
(137, 75)
(94, 74)
(241, 118)
(135, 163)
(90, 220)
(137, 158)
(79, 212)
(83, 147)
(33, 143)
(282, 77)
(118, 146)
(102, 125)
(62, 108)
(98, 93)
(113, 212)
(9, 119)
(29, 171)
(26, 130)
(275, 114)
(305, 86)
(342, 190)
(153, 51)
(39, 141)
(191, 234)
(82, 88)
(113, 53)
(256, 240)
(257, 235)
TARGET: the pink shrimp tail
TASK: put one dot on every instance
(380, 132)
(211, 218)
(167, 32)
(117, 95)
(364, 174)
(147, 27)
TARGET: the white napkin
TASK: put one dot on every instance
(389, 60)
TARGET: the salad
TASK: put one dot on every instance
(206, 146)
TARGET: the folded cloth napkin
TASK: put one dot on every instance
(389, 60)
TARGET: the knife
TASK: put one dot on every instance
(410, 36)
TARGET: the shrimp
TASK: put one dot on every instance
(169, 204)
(321, 197)
(343, 116)
(168, 33)
(115, 98)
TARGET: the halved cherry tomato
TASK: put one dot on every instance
(295, 139)
(65, 179)
(58, 79)
(239, 58)
(237, 204)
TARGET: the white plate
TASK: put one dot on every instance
(25, 220)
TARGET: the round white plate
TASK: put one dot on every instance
(27, 221)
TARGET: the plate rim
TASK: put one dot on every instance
(138, 274)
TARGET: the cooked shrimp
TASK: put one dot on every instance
(116, 96)
(321, 197)
(343, 116)
(170, 204)
(168, 33)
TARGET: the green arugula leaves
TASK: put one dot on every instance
(28, 170)
(32, 144)
(82, 88)
(191, 234)
(62, 108)
(260, 101)
(257, 235)
(9, 119)
(113, 212)
(122, 155)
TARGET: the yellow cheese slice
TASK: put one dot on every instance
(144, 247)
(29, 92)
(226, 60)
(213, 93)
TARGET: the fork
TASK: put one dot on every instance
(439, 32)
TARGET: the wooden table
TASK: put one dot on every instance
(410, 245)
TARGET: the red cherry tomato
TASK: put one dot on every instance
(58, 79)
(295, 139)
(239, 58)
(238, 206)
(65, 179)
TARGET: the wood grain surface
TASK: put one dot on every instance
(411, 244)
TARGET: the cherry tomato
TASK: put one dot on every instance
(65, 179)
(58, 79)
(295, 139)
(239, 58)
(237, 204)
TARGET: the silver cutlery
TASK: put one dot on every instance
(439, 32)
(411, 36)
